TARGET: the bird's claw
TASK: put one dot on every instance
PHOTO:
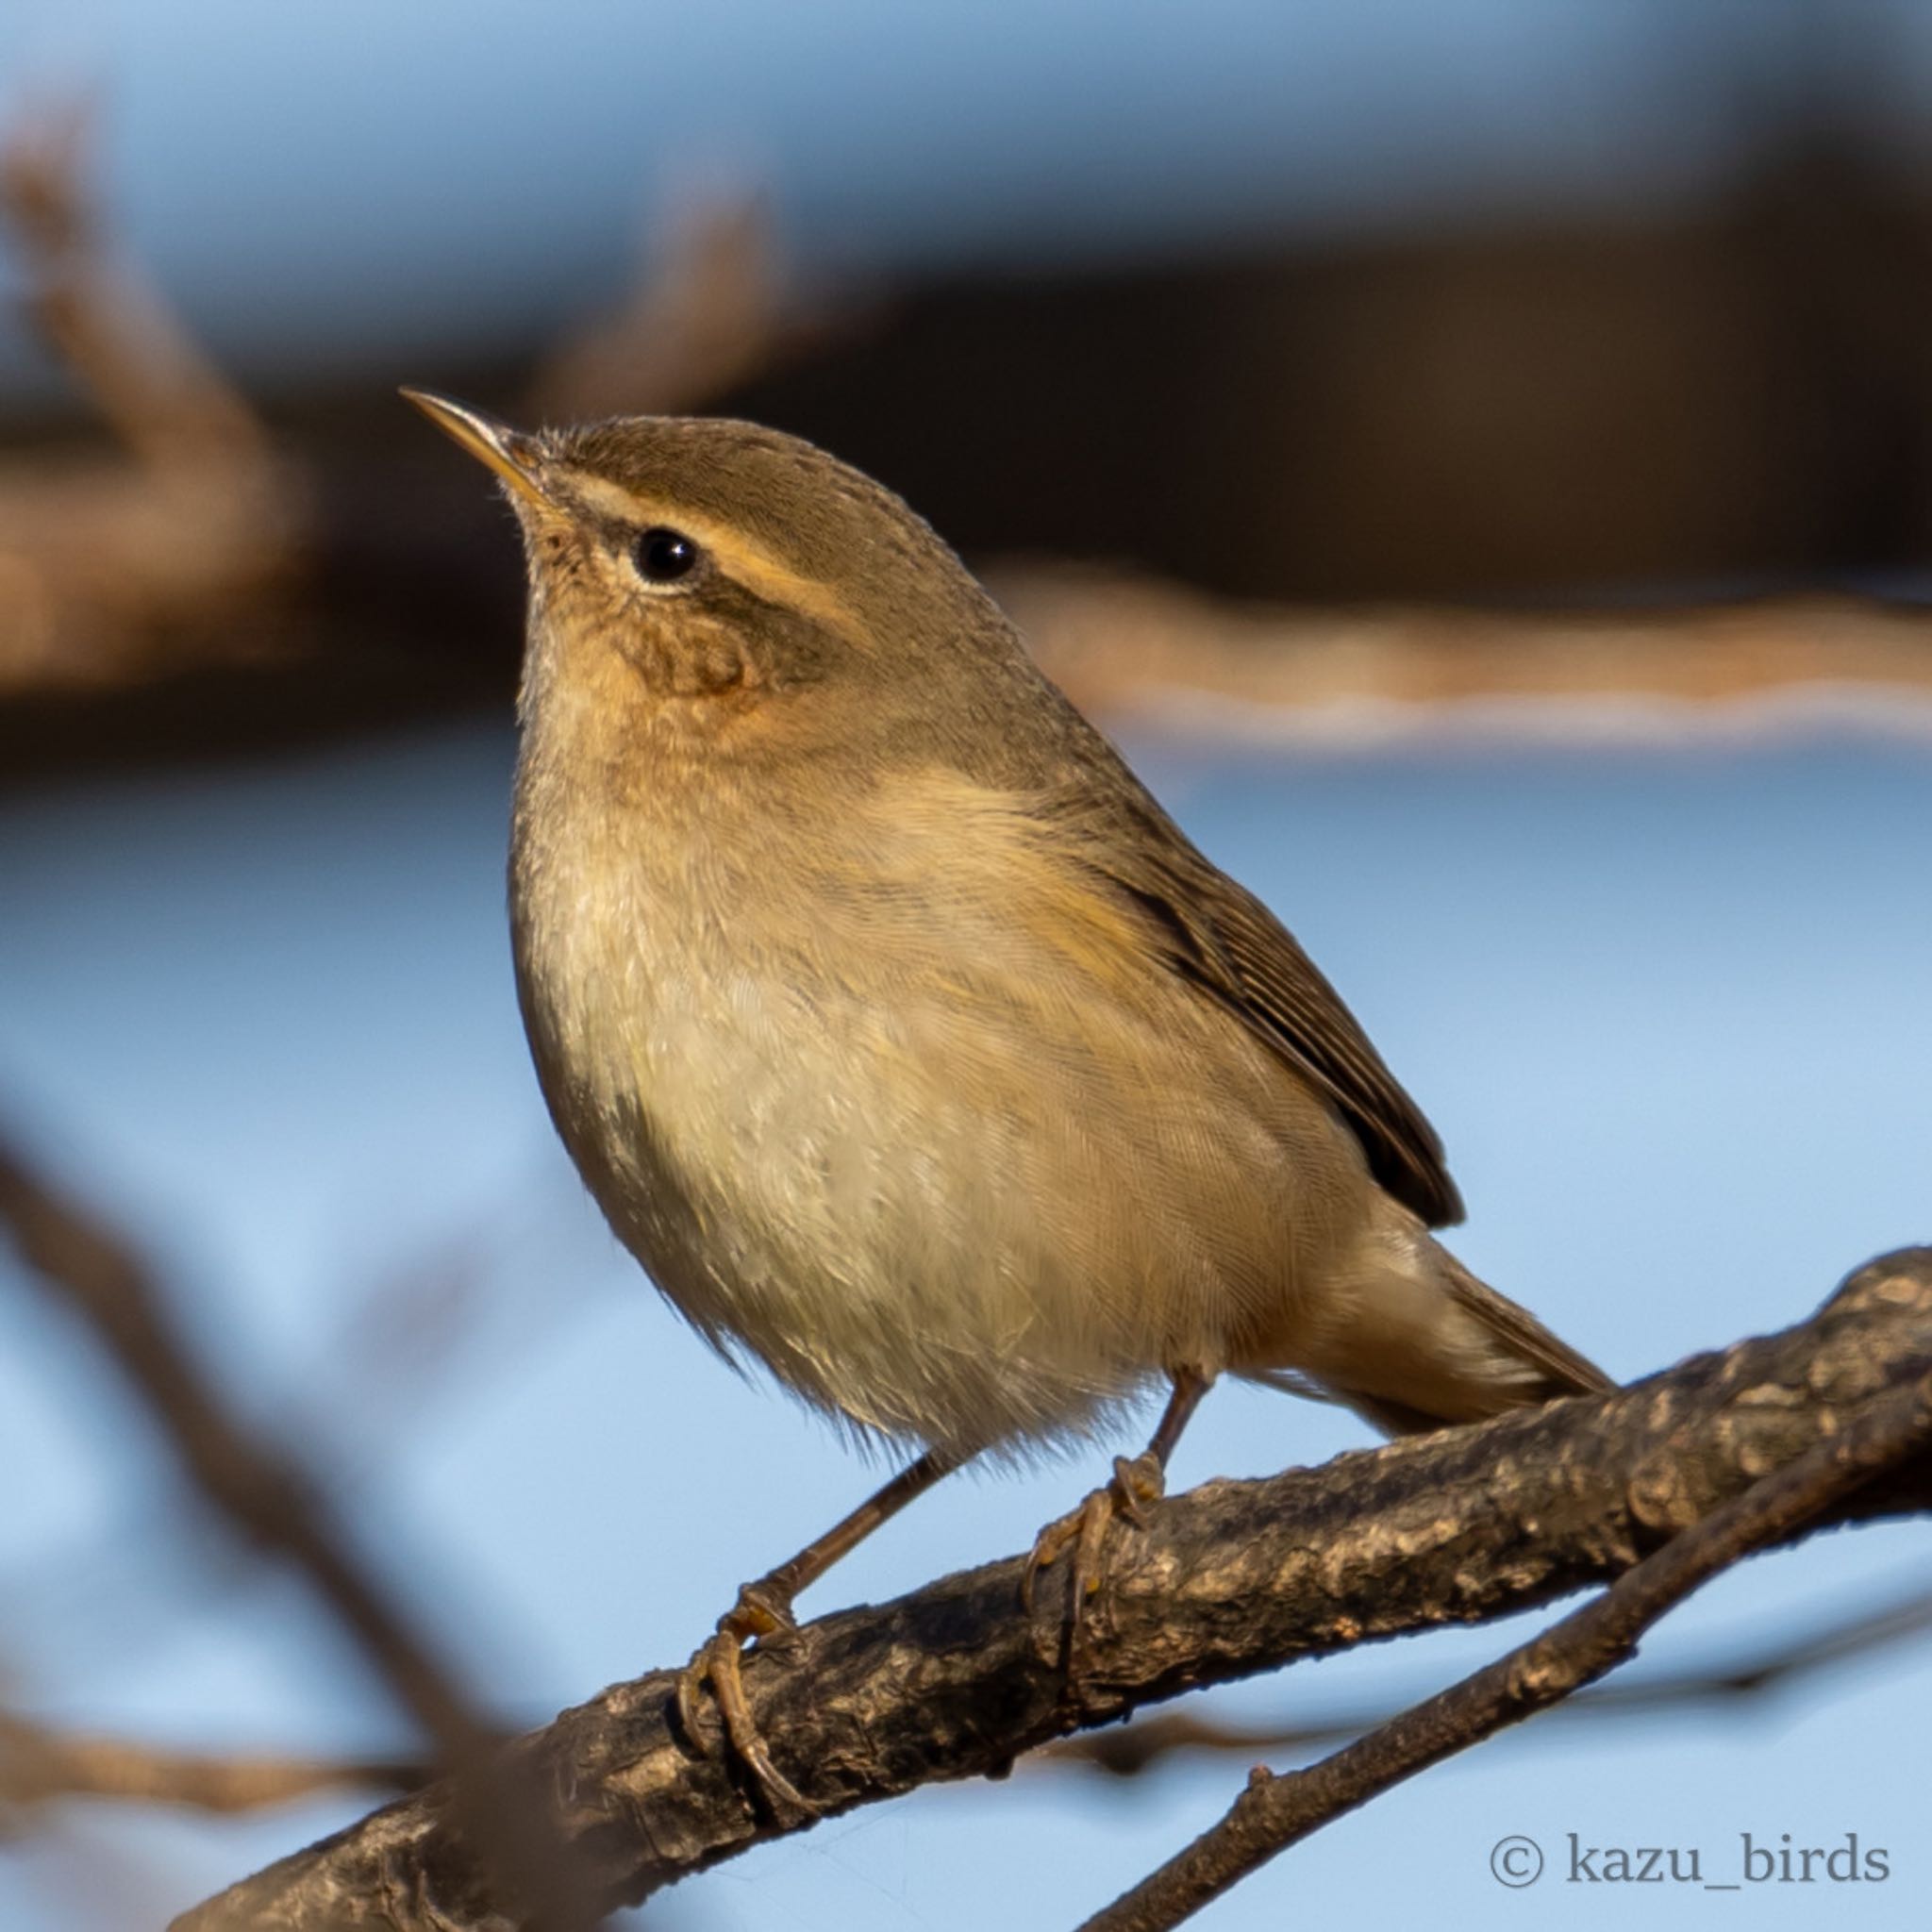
(1134, 1485)
(761, 1615)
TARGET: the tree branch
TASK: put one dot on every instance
(1236, 1578)
(41, 1763)
(1727, 1685)
(1275, 1812)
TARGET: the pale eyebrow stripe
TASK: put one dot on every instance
(743, 557)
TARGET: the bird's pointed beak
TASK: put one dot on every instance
(509, 452)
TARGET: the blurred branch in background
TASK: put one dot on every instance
(1120, 641)
(270, 1501)
(41, 1762)
(1767, 1440)
(175, 550)
(170, 406)
(248, 586)
(207, 543)
(418, 1338)
(718, 310)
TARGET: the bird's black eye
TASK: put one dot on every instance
(663, 554)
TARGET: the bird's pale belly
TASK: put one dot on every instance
(888, 1193)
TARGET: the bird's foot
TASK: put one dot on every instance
(765, 1616)
(1135, 1484)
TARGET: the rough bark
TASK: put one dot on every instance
(1230, 1580)
(1273, 1813)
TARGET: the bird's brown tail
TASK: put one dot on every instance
(1426, 1344)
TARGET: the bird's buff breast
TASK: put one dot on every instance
(808, 1090)
(757, 1068)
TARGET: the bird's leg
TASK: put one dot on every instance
(1134, 1485)
(763, 1611)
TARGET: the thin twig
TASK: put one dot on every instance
(165, 399)
(1275, 1812)
(261, 1491)
(714, 311)
(197, 526)
(39, 1762)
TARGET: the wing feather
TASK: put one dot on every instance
(1219, 937)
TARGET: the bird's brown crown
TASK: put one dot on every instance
(721, 558)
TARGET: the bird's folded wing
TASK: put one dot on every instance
(1225, 942)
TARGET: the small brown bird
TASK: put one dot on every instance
(901, 1035)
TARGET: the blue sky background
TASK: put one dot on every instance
(1667, 1007)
